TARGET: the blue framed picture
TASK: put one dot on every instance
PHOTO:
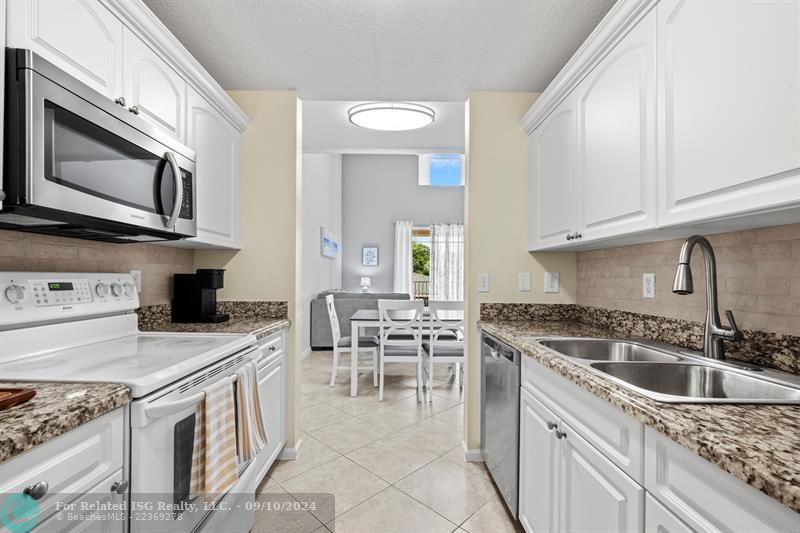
(329, 244)
(369, 256)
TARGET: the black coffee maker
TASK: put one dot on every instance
(194, 296)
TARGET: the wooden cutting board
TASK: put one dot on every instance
(12, 397)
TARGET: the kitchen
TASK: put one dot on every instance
(578, 199)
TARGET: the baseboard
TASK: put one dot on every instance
(305, 354)
(290, 454)
(472, 455)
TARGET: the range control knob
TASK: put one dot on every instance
(117, 290)
(129, 289)
(15, 294)
(101, 290)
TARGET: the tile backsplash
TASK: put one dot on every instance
(42, 253)
(758, 277)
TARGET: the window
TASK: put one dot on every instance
(421, 261)
(441, 170)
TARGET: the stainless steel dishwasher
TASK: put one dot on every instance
(500, 381)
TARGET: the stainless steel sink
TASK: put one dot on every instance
(606, 350)
(697, 383)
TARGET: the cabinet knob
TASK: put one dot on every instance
(272, 348)
(578, 235)
(569, 236)
(120, 101)
(37, 490)
(134, 109)
(551, 425)
(120, 486)
(560, 434)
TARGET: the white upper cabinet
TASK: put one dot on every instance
(729, 114)
(152, 89)
(80, 36)
(217, 146)
(552, 190)
(617, 138)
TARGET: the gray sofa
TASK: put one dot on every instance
(346, 303)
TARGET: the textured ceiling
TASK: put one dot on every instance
(382, 49)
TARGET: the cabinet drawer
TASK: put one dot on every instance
(272, 344)
(71, 464)
(618, 436)
(706, 497)
(659, 519)
(100, 497)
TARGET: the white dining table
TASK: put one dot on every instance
(369, 318)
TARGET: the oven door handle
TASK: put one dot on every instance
(160, 411)
(176, 174)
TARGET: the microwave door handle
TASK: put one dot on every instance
(176, 174)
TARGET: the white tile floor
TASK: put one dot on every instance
(393, 467)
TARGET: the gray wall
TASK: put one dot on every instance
(376, 191)
(322, 206)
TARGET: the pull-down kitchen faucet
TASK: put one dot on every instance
(715, 332)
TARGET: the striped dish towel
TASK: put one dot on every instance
(251, 436)
(214, 462)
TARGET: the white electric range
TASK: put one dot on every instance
(81, 327)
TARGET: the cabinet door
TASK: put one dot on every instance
(617, 138)
(272, 390)
(552, 184)
(538, 466)
(595, 495)
(152, 88)
(216, 144)
(729, 111)
(659, 519)
(79, 36)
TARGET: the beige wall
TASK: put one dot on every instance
(496, 222)
(758, 277)
(266, 266)
(29, 252)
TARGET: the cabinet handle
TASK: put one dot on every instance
(272, 348)
(560, 434)
(37, 490)
(551, 426)
(134, 109)
(120, 486)
(120, 101)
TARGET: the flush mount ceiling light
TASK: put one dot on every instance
(391, 116)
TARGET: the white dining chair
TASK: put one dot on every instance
(446, 341)
(341, 344)
(401, 338)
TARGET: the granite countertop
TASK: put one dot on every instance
(759, 444)
(56, 409)
(259, 326)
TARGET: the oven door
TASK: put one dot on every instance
(162, 444)
(82, 158)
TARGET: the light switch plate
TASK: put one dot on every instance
(137, 279)
(483, 282)
(648, 285)
(551, 282)
(524, 282)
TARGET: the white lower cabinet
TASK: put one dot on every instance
(272, 388)
(572, 479)
(659, 519)
(566, 484)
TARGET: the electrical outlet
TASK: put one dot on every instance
(648, 285)
(483, 282)
(551, 282)
(524, 282)
(137, 279)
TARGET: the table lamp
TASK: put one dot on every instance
(366, 283)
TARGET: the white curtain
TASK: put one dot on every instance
(403, 269)
(447, 262)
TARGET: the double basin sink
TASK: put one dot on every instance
(666, 374)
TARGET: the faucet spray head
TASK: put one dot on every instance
(683, 283)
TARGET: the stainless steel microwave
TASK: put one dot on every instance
(78, 164)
